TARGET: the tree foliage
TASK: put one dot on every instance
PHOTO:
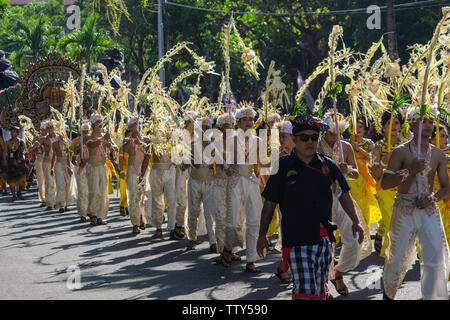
(297, 43)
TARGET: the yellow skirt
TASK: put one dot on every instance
(364, 196)
(123, 193)
(111, 171)
(445, 214)
(386, 199)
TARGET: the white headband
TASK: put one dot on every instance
(284, 126)
(331, 123)
(95, 117)
(274, 117)
(245, 112)
(85, 125)
(132, 121)
(414, 112)
(204, 121)
(225, 118)
(191, 115)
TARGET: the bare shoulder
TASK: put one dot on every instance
(346, 145)
(76, 140)
(402, 147)
(400, 151)
(437, 153)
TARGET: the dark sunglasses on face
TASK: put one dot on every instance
(305, 137)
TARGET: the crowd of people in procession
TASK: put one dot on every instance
(378, 182)
(373, 190)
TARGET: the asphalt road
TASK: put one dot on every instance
(49, 255)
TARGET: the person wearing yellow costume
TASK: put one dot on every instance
(444, 205)
(123, 186)
(363, 189)
(111, 172)
(381, 156)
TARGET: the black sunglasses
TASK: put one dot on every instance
(305, 137)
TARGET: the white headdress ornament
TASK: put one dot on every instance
(414, 112)
(274, 117)
(245, 112)
(85, 125)
(205, 121)
(284, 126)
(95, 117)
(329, 119)
(225, 118)
(132, 121)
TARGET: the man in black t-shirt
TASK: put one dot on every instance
(302, 188)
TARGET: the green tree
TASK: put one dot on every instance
(32, 39)
(88, 43)
(4, 5)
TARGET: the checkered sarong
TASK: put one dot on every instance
(310, 266)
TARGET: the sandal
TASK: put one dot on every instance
(342, 291)
(142, 225)
(93, 220)
(235, 257)
(179, 231)
(20, 196)
(122, 211)
(223, 261)
(101, 222)
(283, 276)
(191, 245)
(83, 219)
(158, 234)
(250, 267)
(136, 230)
(378, 243)
(174, 235)
(213, 248)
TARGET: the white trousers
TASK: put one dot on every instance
(351, 251)
(181, 198)
(64, 185)
(220, 210)
(200, 192)
(83, 191)
(50, 186)
(137, 210)
(98, 190)
(401, 252)
(162, 183)
(245, 213)
(40, 177)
